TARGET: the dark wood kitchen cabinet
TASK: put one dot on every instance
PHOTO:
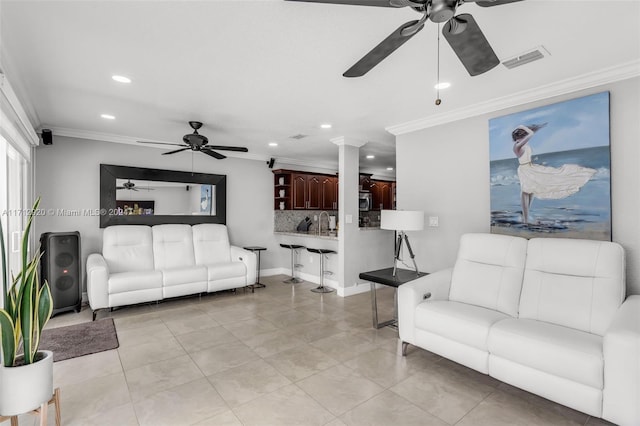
(329, 193)
(365, 182)
(281, 190)
(305, 191)
(382, 195)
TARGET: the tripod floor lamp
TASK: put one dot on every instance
(401, 221)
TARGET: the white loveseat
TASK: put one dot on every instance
(148, 263)
(547, 315)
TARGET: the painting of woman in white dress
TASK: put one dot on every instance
(550, 170)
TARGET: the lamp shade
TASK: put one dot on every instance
(402, 220)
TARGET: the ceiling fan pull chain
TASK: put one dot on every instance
(438, 100)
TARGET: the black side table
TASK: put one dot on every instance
(256, 250)
(385, 277)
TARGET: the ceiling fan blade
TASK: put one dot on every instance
(214, 154)
(380, 3)
(120, 187)
(226, 148)
(467, 41)
(384, 49)
(489, 3)
(162, 143)
(177, 150)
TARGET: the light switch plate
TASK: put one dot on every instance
(433, 221)
(348, 218)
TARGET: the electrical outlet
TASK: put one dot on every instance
(315, 217)
(310, 259)
(348, 218)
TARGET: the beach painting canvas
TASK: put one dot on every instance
(550, 170)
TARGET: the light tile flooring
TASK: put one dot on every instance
(279, 356)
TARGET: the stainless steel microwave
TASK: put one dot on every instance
(364, 201)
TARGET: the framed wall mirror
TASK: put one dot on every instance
(139, 196)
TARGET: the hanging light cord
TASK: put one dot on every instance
(438, 100)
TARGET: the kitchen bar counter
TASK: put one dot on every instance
(323, 236)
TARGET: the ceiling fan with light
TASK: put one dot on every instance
(131, 186)
(197, 142)
(461, 31)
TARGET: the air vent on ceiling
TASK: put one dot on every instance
(525, 58)
(298, 136)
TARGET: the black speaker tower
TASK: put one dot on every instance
(60, 266)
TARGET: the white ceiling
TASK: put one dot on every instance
(262, 71)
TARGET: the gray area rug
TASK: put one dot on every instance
(80, 339)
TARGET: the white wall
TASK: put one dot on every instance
(444, 170)
(68, 177)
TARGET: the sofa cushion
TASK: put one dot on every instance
(224, 270)
(123, 282)
(211, 243)
(553, 349)
(188, 275)
(128, 248)
(172, 246)
(457, 321)
(575, 283)
(488, 272)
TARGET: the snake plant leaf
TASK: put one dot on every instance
(7, 335)
(44, 311)
(25, 238)
(26, 313)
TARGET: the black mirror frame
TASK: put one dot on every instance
(109, 173)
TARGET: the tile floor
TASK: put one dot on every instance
(279, 356)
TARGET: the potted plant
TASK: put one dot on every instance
(26, 379)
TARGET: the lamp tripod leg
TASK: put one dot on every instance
(397, 253)
(413, 257)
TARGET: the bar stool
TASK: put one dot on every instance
(322, 252)
(294, 250)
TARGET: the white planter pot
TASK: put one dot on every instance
(25, 388)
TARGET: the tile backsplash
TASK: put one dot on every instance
(288, 220)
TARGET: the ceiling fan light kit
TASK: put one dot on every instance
(461, 32)
(198, 143)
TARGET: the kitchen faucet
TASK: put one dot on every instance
(320, 221)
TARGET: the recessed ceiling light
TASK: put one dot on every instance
(325, 126)
(443, 85)
(273, 144)
(121, 79)
(108, 116)
(389, 168)
(371, 157)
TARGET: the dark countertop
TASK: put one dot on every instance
(311, 234)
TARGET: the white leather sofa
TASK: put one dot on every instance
(148, 263)
(547, 315)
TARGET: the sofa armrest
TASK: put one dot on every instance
(249, 259)
(430, 287)
(97, 281)
(621, 391)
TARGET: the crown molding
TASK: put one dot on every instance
(562, 87)
(344, 140)
(28, 114)
(17, 111)
(129, 140)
